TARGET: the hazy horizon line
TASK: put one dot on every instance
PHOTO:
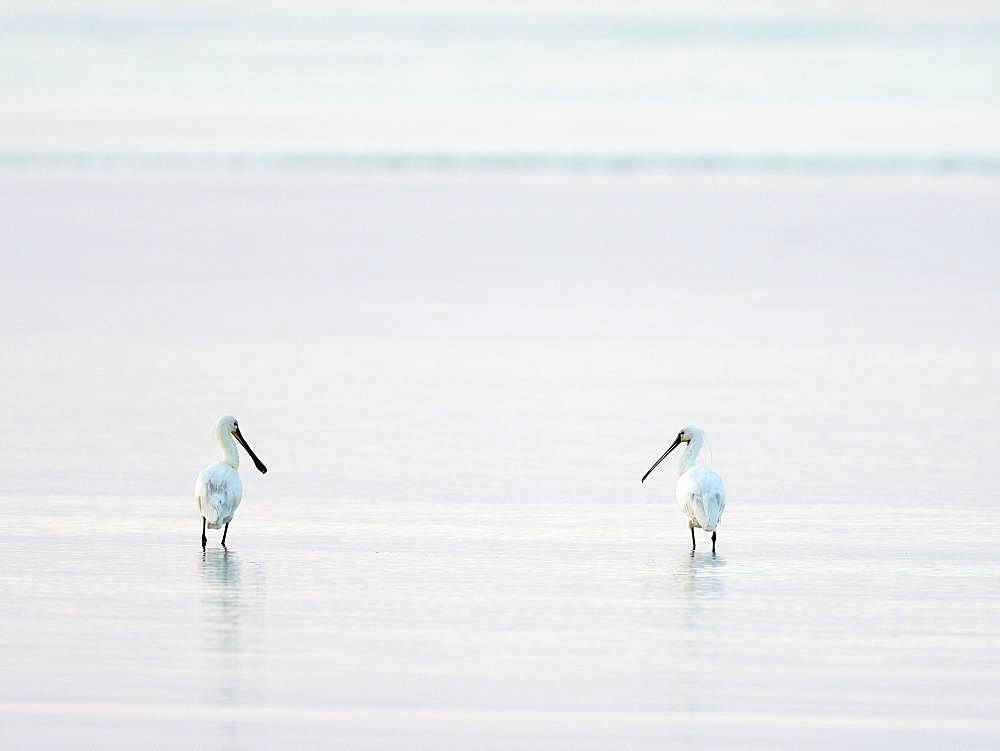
(515, 161)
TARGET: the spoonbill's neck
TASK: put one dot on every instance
(690, 454)
(229, 453)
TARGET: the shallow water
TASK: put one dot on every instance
(452, 547)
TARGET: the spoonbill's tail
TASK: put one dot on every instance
(213, 510)
(706, 511)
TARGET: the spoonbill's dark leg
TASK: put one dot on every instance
(224, 533)
(693, 545)
(713, 543)
(204, 540)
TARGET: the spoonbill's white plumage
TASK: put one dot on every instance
(699, 492)
(218, 490)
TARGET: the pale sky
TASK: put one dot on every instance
(219, 76)
(868, 8)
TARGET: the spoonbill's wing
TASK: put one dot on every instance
(218, 491)
(707, 497)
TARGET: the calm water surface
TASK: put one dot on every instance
(452, 548)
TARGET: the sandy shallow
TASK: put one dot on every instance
(456, 385)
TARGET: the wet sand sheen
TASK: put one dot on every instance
(451, 546)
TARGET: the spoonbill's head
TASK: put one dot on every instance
(688, 433)
(228, 424)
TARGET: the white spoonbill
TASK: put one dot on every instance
(699, 491)
(218, 489)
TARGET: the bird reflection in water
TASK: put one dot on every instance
(697, 607)
(221, 590)
(701, 576)
(226, 598)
